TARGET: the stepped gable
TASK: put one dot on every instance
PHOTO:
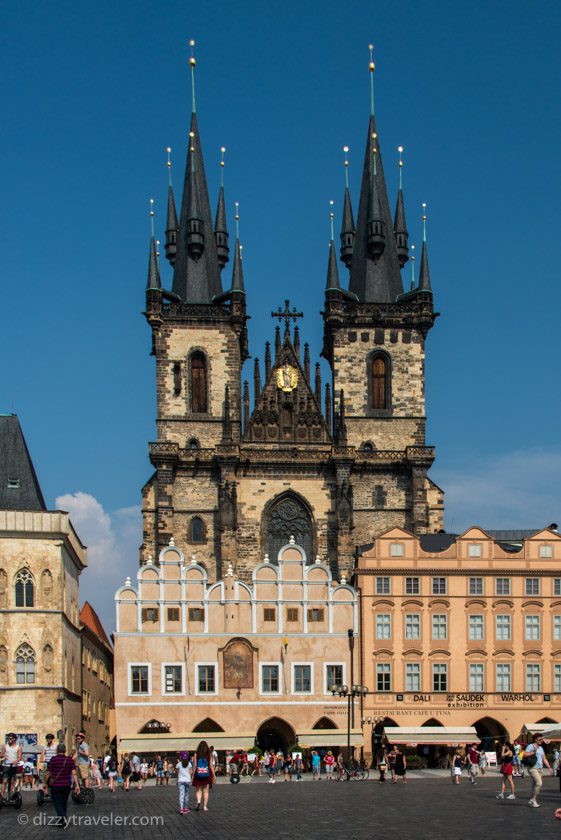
(289, 412)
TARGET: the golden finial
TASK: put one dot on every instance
(374, 151)
(237, 220)
(192, 64)
(158, 252)
(371, 67)
(331, 217)
(400, 151)
(424, 205)
(412, 267)
(151, 217)
(168, 150)
(346, 152)
(222, 153)
(192, 60)
(192, 141)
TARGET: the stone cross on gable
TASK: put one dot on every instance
(287, 315)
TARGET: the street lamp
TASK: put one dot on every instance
(350, 694)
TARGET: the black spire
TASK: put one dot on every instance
(375, 274)
(196, 277)
(172, 224)
(348, 222)
(237, 274)
(424, 274)
(220, 226)
(399, 226)
(332, 283)
(154, 281)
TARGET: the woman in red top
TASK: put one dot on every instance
(61, 771)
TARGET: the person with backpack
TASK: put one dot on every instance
(126, 771)
(534, 761)
(204, 774)
(112, 770)
(184, 769)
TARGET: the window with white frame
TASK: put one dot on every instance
(396, 550)
(383, 676)
(475, 586)
(383, 626)
(532, 627)
(139, 679)
(557, 678)
(206, 679)
(412, 586)
(532, 586)
(334, 675)
(173, 679)
(502, 627)
(412, 676)
(557, 627)
(270, 683)
(476, 676)
(503, 676)
(439, 626)
(382, 586)
(557, 586)
(440, 676)
(533, 676)
(474, 550)
(439, 586)
(302, 679)
(412, 626)
(502, 586)
(546, 551)
(476, 628)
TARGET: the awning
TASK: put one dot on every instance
(533, 728)
(190, 741)
(330, 738)
(450, 736)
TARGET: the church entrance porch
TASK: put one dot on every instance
(276, 734)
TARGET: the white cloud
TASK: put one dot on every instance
(520, 489)
(112, 540)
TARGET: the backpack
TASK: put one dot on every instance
(530, 758)
(112, 764)
(203, 770)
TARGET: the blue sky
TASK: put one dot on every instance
(92, 95)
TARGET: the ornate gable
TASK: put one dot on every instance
(286, 410)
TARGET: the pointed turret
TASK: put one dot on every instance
(196, 277)
(154, 281)
(424, 273)
(332, 284)
(375, 273)
(348, 221)
(399, 226)
(237, 274)
(220, 226)
(172, 224)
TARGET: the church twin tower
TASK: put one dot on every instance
(331, 466)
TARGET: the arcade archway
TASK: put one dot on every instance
(491, 733)
(276, 734)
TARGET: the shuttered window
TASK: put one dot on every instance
(378, 384)
(198, 384)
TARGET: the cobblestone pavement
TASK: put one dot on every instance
(427, 808)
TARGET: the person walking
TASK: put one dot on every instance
(457, 767)
(507, 755)
(400, 766)
(126, 771)
(288, 768)
(82, 758)
(135, 766)
(473, 763)
(298, 764)
(112, 771)
(159, 770)
(534, 760)
(316, 765)
(204, 774)
(482, 762)
(61, 772)
(391, 756)
(382, 763)
(183, 770)
(329, 761)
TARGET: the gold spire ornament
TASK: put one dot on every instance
(346, 153)
(168, 150)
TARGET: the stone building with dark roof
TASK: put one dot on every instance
(97, 681)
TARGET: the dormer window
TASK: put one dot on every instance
(13, 484)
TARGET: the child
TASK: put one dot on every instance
(184, 768)
(457, 767)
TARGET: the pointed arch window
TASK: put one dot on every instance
(380, 382)
(199, 403)
(197, 530)
(288, 517)
(24, 589)
(25, 665)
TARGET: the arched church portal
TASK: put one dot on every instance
(288, 516)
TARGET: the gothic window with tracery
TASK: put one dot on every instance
(379, 382)
(198, 384)
(24, 589)
(25, 665)
(287, 518)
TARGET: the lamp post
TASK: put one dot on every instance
(350, 694)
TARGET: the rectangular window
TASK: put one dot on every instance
(533, 677)
(303, 679)
(270, 679)
(333, 676)
(439, 586)
(439, 627)
(382, 586)
(557, 627)
(502, 586)
(412, 626)
(440, 676)
(396, 550)
(150, 613)
(557, 678)
(557, 586)
(269, 614)
(532, 586)
(13, 483)
(476, 627)
(532, 626)
(412, 676)
(315, 614)
(206, 679)
(503, 677)
(546, 551)
(139, 679)
(474, 550)
(502, 627)
(383, 626)
(476, 676)
(173, 613)
(196, 614)
(412, 586)
(475, 586)
(292, 614)
(383, 676)
(173, 679)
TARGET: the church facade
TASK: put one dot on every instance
(238, 481)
